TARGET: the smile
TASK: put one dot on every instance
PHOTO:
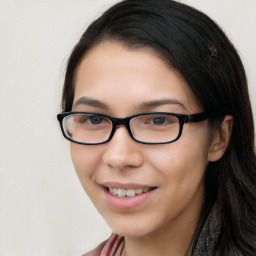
(127, 197)
(122, 192)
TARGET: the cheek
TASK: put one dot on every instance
(85, 160)
(183, 162)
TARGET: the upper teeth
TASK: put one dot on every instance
(122, 192)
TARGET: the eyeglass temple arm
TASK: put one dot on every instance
(197, 117)
(202, 116)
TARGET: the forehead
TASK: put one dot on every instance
(116, 75)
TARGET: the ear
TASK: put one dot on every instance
(220, 139)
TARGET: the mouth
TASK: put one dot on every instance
(124, 193)
(127, 196)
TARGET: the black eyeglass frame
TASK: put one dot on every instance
(198, 117)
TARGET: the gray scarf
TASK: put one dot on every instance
(206, 242)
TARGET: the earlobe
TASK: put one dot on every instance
(220, 139)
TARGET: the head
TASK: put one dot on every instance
(203, 64)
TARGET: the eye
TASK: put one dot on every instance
(163, 120)
(156, 120)
(95, 119)
(159, 120)
(91, 120)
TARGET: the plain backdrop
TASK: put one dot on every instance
(43, 208)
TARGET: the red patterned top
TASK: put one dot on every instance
(111, 247)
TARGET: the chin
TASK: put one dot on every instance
(131, 228)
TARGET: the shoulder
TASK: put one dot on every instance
(114, 244)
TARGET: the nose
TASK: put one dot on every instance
(122, 151)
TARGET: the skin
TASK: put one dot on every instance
(122, 79)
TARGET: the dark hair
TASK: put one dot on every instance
(194, 45)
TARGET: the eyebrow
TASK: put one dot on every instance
(91, 102)
(157, 103)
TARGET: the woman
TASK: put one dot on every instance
(156, 105)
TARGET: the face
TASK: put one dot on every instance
(121, 82)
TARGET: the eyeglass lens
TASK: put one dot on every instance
(150, 128)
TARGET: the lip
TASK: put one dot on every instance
(125, 185)
(127, 203)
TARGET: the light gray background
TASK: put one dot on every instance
(43, 208)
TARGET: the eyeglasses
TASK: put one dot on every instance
(148, 128)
